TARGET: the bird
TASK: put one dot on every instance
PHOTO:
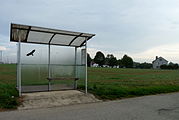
(31, 53)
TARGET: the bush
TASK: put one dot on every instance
(169, 67)
(8, 96)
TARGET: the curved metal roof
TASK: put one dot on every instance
(40, 35)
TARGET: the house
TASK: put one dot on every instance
(158, 62)
(93, 64)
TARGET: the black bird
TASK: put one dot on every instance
(31, 53)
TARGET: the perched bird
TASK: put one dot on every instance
(31, 53)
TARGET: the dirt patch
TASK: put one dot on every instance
(55, 98)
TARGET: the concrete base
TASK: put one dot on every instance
(55, 98)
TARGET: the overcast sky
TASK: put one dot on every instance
(141, 29)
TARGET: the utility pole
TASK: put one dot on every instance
(1, 57)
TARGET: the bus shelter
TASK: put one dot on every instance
(49, 59)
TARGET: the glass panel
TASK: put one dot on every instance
(80, 68)
(62, 55)
(34, 74)
(34, 53)
(18, 34)
(62, 71)
(39, 37)
(81, 72)
(62, 39)
(54, 30)
(62, 66)
(34, 68)
(83, 56)
(78, 41)
(81, 53)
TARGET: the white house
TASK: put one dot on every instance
(158, 62)
(94, 65)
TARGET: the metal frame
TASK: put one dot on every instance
(49, 69)
(19, 68)
(86, 78)
(75, 82)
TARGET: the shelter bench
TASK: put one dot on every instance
(63, 78)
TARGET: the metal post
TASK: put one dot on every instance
(49, 72)
(75, 82)
(19, 67)
(86, 79)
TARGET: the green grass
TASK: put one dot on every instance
(106, 83)
(8, 92)
(114, 83)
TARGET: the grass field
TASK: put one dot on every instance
(106, 83)
(116, 83)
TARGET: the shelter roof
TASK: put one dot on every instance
(40, 35)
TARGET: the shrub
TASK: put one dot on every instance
(8, 96)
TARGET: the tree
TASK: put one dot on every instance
(127, 61)
(111, 60)
(99, 58)
(170, 66)
(136, 64)
(119, 63)
(175, 66)
(164, 67)
(145, 65)
(89, 60)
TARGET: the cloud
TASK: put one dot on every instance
(140, 29)
(168, 51)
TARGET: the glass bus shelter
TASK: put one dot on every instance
(49, 59)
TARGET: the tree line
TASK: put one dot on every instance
(111, 61)
(170, 66)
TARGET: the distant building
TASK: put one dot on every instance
(95, 65)
(107, 66)
(158, 62)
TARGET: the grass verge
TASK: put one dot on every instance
(8, 93)
(111, 92)
(8, 96)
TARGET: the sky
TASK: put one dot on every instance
(142, 29)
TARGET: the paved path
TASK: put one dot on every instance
(156, 107)
(55, 99)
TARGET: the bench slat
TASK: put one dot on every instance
(63, 78)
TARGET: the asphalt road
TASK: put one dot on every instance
(155, 107)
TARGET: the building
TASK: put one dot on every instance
(158, 62)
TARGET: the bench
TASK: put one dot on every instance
(63, 78)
